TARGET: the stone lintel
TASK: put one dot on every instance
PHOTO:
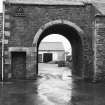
(22, 49)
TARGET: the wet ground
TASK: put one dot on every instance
(54, 86)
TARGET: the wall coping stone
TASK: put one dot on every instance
(46, 2)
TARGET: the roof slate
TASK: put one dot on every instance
(100, 6)
(51, 46)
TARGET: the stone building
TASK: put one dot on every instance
(51, 51)
(27, 22)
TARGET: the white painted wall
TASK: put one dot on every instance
(57, 55)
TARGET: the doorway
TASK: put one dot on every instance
(47, 57)
(18, 65)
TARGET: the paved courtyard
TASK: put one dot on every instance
(54, 86)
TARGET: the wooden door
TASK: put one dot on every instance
(18, 65)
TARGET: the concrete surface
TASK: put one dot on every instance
(54, 86)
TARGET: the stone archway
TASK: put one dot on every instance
(43, 27)
(77, 38)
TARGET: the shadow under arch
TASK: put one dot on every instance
(73, 33)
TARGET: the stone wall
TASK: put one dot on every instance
(100, 47)
(24, 28)
(23, 21)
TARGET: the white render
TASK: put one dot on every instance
(57, 55)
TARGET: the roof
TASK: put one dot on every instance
(51, 46)
(100, 6)
(48, 2)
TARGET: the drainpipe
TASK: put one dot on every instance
(95, 59)
(3, 42)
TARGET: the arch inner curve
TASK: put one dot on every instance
(74, 37)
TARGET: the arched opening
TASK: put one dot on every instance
(70, 31)
(54, 50)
